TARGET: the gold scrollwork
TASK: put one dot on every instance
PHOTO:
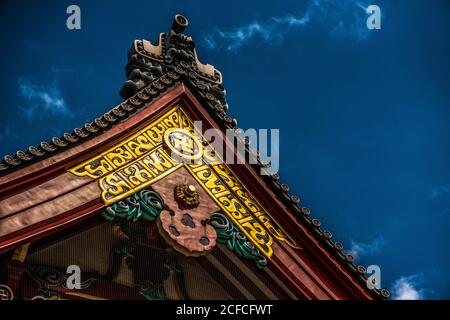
(250, 202)
(120, 156)
(275, 229)
(147, 156)
(128, 149)
(141, 173)
(95, 168)
(140, 145)
(113, 186)
(228, 202)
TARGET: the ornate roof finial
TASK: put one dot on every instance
(179, 23)
(147, 61)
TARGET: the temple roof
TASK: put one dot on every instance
(172, 61)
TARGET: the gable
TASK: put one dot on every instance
(113, 159)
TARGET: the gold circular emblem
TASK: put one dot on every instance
(183, 144)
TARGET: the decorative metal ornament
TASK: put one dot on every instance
(187, 196)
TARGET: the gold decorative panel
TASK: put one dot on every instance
(162, 147)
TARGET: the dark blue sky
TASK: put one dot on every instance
(363, 115)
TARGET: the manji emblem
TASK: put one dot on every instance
(164, 146)
(183, 145)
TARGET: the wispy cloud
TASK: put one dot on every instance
(407, 288)
(42, 98)
(7, 133)
(344, 17)
(360, 249)
(440, 192)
